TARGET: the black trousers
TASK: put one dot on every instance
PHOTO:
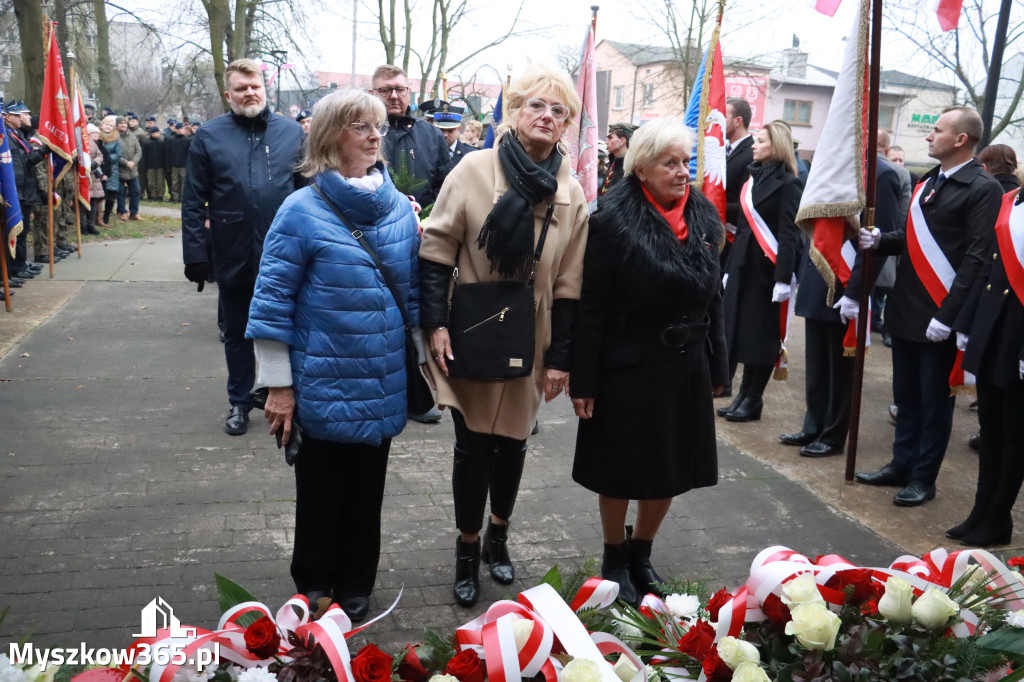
(920, 389)
(339, 490)
(1001, 457)
(484, 463)
(234, 305)
(829, 382)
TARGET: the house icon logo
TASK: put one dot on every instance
(157, 615)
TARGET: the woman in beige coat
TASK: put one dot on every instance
(485, 224)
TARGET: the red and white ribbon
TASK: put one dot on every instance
(762, 233)
(930, 263)
(1010, 236)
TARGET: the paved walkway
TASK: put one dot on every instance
(118, 484)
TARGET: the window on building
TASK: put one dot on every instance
(885, 117)
(796, 112)
(648, 94)
(620, 96)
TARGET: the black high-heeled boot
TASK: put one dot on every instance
(755, 378)
(740, 395)
(615, 567)
(494, 553)
(972, 521)
(993, 530)
(748, 411)
(467, 572)
(641, 571)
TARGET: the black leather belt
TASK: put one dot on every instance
(680, 334)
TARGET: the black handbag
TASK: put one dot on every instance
(418, 395)
(492, 325)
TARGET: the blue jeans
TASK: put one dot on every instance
(133, 190)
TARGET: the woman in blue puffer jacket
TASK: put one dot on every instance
(330, 342)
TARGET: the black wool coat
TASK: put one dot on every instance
(736, 173)
(652, 434)
(751, 319)
(461, 149)
(961, 217)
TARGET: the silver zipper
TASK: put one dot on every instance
(500, 315)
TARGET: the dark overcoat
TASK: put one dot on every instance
(652, 435)
(461, 149)
(736, 173)
(751, 319)
(961, 217)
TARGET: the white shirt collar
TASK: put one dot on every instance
(949, 173)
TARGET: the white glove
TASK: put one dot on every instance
(961, 341)
(848, 308)
(869, 239)
(1022, 370)
(725, 279)
(781, 292)
(937, 331)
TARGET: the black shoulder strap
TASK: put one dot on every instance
(359, 237)
(540, 242)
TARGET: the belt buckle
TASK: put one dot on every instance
(674, 335)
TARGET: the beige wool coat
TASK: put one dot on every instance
(504, 408)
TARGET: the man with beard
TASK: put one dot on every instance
(241, 167)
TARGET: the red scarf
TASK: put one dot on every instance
(674, 216)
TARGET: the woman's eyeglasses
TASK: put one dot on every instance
(539, 106)
(364, 128)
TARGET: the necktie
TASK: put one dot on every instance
(728, 148)
(941, 179)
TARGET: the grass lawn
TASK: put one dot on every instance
(149, 226)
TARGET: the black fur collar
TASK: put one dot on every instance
(649, 243)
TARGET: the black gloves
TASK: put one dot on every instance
(198, 273)
(435, 278)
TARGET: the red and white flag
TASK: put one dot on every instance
(583, 149)
(82, 143)
(713, 151)
(56, 130)
(948, 11)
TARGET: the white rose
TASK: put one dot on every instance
(626, 631)
(801, 590)
(750, 672)
(973, 577)
(257, 674)
(896, 603)
(443, 678)
(580, 670)
(624, 668)
(1016, 619)
(814, 626)
(734, 651)
(934, 608)
(9, 672)
(682, 605)
(522, 629)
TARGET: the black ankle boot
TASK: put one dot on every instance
(991, 531)
(748, 411)
(740, 395)
(467, 572)
(643, 574)
(615, 567)
(972, 521)
(495, 553)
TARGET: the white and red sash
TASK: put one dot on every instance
(1010, 236)
(930, 263)
(770, 245)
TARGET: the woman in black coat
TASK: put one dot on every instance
(1001, 161)
(648, 350)
(759, 276)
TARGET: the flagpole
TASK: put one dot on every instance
(77, 169)
(874, 85)
(3, 273)
(49, 170)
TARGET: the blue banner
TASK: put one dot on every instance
(489, 140)
(9, 191)
(692, 118)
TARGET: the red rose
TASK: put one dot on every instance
(864, 586)
(1016, 561)
(698, 640)
(371, 665)
(466, 666)
(775, 610)
(262, 639)
(869, 608)
(717, 601)
(411, 669)
(715, 668)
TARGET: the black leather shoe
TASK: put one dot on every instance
(974, 442)
(314, 597)
(431, 416)
(356, 608)
(15, 283)
(727, 393)
(915, 494)
(801, 438)
(819, 449)
(494, 553)
(237, 422)
(748, 411)
(722, 411)
(887, 475)
(467, 572)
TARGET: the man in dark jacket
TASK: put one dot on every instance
(618, 142)
(448, 119)
(739, 150)
(241, 167)
(177, 160)
(412, 145)
(154, 159)
(948, 236)
(24, 157)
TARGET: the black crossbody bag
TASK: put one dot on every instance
(420, 399)
(492, 325)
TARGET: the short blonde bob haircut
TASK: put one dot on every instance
(653, 138)
(536, 79)
(782, 144)
(330, 116)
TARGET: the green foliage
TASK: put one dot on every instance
(405, 181)
(231, 594)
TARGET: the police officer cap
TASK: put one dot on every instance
(445, 115)
(152, 129)
(150, 118)
(303, 115)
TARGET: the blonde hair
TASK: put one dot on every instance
(536, 79)
(113, 134)
(473, 124)
(782, 144)
(653, 138)
(386, 72)
(246, 67)
(330, 116)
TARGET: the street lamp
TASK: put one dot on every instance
(280, 57)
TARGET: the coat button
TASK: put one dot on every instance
(1005, 292)
(988, 287)
(995, 256)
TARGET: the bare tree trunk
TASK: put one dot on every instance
(240, 32)
(30, 32)
(408, 35)
(217, 13)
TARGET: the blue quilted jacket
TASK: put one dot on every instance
(319, 292)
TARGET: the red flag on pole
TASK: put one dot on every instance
(82, 142)
(55, 128)
(714, 163)
(949, 13)
(583, 149)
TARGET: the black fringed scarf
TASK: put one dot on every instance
(507, 233)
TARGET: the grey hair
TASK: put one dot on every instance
(653, 138)
(330, 116)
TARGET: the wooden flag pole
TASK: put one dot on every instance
(49, 169)
(864, 316)
(3, 273)
(77, 167)
(593, 22)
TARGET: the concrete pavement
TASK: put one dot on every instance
(118, 484)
